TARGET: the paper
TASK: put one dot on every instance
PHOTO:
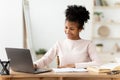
(110, 66)
(69, 70)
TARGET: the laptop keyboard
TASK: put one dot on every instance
(42, 70)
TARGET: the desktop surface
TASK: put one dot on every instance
(60, 76)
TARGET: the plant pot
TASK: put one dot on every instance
(99, 49)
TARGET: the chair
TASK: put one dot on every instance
(58, 62)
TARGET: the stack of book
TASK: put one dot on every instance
(105, 67)
(100, 3)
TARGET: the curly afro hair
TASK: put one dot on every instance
(78, 14)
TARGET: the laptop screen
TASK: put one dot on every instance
(20, 59)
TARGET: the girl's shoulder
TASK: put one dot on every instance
(60, 42)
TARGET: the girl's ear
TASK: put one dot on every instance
(80, 30)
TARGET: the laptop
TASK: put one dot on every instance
(21, 61)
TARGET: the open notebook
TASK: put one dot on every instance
(69, 70)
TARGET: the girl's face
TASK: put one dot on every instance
(72, 30)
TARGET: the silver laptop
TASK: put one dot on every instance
(21, 60)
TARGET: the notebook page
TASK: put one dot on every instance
(69, 70)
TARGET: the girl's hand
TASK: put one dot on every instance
(35, 66)
(68, 66)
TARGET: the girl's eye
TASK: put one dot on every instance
(71, 28)
(66, 28)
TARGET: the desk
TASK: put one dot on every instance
(60, 76)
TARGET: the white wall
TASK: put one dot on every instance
(11, 30)
(47, 20)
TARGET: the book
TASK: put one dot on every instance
(104, 3)
(105, 67)
(69, 70)
(97, 3)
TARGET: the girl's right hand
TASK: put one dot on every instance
(34, 66)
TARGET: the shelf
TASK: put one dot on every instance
(107, 23)
(107, 7)
(106, 38)
(109, 52)
(107, 16)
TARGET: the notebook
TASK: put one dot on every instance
(69, 70)
(21, 61)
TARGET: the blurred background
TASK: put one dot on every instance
(38, 24)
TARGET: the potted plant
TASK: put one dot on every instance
(99, 47)
(40, 52)
(97, 16)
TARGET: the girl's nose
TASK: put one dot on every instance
(67, 31)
